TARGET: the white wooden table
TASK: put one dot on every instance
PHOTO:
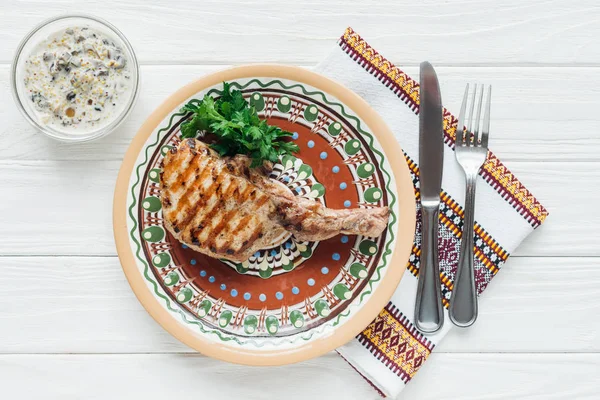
(70, 327)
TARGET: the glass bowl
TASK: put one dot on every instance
(41, 33)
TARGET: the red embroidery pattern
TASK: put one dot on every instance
(395, 341)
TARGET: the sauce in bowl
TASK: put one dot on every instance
(77, 79)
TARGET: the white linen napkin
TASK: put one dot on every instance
(391, 350)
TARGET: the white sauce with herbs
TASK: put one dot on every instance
(78, 80)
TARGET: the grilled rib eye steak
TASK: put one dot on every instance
(221, 207)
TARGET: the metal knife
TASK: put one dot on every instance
(429, 314)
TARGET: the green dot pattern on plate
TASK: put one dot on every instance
(342, 292)
(368, 247)
(161, 260)
(241, 269)
(272, 324)
(165, 149)
(204, 308)
(284, 104)
(153, 234)
(322, 308)
(352, 147)
(358, 270)
(288, 266)
(265, 273)
(373, 195)
(225, 318)
(365, 170)
(250, 324)
(311, 113)
(184, 295)
(297, 319)
(317, 190)
(172, 278)
(304, 172)
(305, 251)
(257, 101)
(151, 204)
(154, 175)
(334, 129)
(289, 162)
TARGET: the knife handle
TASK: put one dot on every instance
(429, 313)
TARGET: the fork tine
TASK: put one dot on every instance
(476, 139)
(485, 130)
(470, 120)
(460, 128)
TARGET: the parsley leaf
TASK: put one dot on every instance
(237, 126)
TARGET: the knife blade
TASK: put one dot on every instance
(429, 315)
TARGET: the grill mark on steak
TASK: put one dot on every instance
(192, 211)
(261, 201)
(185, 175)
(172, 167)
(255, 235)
(228, 217)
(243, 223)
(207, 220)
(225, 219)
(184, 200)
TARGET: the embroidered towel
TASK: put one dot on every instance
(390, 351)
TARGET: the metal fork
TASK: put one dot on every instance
(471, 151)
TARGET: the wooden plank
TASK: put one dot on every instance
(237, 31)
(65, 207)
(566, 190)
(84, 305)
(159, 376)
(535, 116)
(506, 376)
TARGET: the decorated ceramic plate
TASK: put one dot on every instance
(294, 300)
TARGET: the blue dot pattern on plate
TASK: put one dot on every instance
(211, 279)
(335, 256)
(343, 185)
(257, 254)
(310, 144)
(279, 295)
(223, 286)
(344, 239)
(298, 189)
(203, 273)
(247, 296)
(324, 270)
(288, 245)
(323, 155)
(335, 169)
(233, 293)
(311, 282)
(273, 252)
(183, 246)
(286, 179)
(295, 290)
(347, 203)
(295, 135)
(193, 261)
(262, 297)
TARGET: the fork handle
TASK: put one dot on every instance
(463, 301)
(429, 314)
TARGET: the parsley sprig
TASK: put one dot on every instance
(237, 126)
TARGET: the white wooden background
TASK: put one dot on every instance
(71, 328)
